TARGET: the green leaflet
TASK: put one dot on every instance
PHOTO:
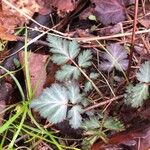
(59, 59)
(128, 95)
(135, 95)
(67, 72)
(75, 116)
(91, 124)
(88, 85)
(94, 75)
(62, 49)
(74, 49)
(113, 124)
(53, 104)
(144, 72)
(84, 59)
(74, 93)
(58, 45)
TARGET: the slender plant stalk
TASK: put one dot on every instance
(105, 80)
(5, 126)
(133, 37)
(98, 91)
(16, 81)
(27, 72)
(25, 109)
(50, 135)
(103, 103)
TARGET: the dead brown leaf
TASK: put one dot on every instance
(28, 7)
(137, 139)
(37, 71)
(10, 20)
(62, 6)
(5, 35)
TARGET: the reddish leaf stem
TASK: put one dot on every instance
(133, 37)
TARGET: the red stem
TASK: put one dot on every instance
(133, 37)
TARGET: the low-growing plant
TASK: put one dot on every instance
(64, 100)
(93, 130)
(135, 95)
(67, 98)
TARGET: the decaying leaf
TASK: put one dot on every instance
(115, 57)
(128, 139)
(5, 34)
(110, 11)
(26, 6)
(63, 6)
(10, 20)
(37, 70)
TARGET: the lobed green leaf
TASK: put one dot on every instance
(84, 59)
(144, 72)
(67, 72)
(75, 117)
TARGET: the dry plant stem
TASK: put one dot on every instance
(143, 7)
(20, 38)
(95, 87)
(39, 42)
(133, 37)
(103, 103)
(105, 80)
(95, 38)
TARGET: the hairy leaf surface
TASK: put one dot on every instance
(63, 49)
(67, 72)
(88, 85)
(52, 104)
(91, 124)
(84, 59)
(111, 11)
(115, 57)
(74, 93)
(135, 95)
(144, 72)
(75, 116)
(113, 124)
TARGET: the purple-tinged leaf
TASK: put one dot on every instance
(111, 11)
(116, 57)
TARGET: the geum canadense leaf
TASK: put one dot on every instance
(111, 11)
(74, 94)
(113, 124)
(54, 101)
(135, 95)
(88, 85)
(67, 72)
(62, 49)
(84, 59)
(91, 124)
(52, 104)
(116, 57)
(144, 72)
(74, 116)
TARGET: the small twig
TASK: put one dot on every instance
(103, 103)
(95, 38)
(38, 42)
